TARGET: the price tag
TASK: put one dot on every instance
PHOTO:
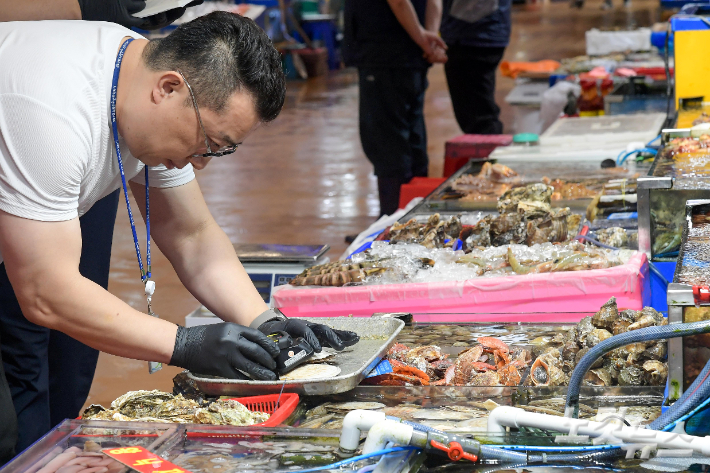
(140, 459)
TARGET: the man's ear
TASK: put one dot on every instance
(167, 85)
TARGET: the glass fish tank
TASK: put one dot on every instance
(688, 355)
(680, 172)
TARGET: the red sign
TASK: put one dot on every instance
(142, 460)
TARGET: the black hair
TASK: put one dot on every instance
(220, 53)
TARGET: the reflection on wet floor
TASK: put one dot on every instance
(304, 178)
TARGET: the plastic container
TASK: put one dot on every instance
(545, 297)
(267, 403)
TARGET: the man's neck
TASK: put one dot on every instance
(130, 69)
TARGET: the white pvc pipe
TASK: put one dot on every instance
(355, 422)
(506, 416)
(384, 432)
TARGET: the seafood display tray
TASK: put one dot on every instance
(573, 172)
(377, 334)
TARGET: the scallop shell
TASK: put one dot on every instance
(311, 372)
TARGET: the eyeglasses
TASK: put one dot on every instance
(210, 154)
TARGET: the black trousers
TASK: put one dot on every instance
(392, 128)
(48, 372)
(471, 75)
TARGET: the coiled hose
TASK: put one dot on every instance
(623, 339)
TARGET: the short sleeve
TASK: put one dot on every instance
(43, 158)
(162, 177)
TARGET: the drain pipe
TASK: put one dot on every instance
(354, 424)
(505, 416)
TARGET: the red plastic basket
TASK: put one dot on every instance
(267, 403)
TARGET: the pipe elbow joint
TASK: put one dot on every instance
(502, 417)
(354, 423)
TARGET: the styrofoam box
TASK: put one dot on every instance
(547, 297)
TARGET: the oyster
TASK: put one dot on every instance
(140, 403)
(655, 372)
(584, 328)
(569, 353)
(598, 377)
(229, 412)
(489, 378)
(507, 229)
(538, 192)
(657, 351)
(596, 336)
(580, 354)
(631, 376)
(607, 315)
(478, 235)
(613, 236)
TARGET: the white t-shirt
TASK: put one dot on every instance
(57, 154)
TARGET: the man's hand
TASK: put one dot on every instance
(224, 350)
(116, 11)
(317, 335)
(433, 46)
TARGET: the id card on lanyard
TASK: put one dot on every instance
(145, 275)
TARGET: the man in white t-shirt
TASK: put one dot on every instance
(180, 101)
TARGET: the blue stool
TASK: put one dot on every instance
(322, 28)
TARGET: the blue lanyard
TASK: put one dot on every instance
(145, 276)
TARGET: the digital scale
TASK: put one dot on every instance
(268, 266)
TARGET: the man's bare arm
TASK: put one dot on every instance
(200, 252)
(33, 10)
(42, 262)
(407, 17)
(433, 15)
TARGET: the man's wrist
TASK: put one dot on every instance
(267, 316)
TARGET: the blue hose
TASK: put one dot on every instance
(621, 159)
(686, 416)
(692, 397)
(623, 339)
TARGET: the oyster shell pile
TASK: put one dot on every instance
(158, 406)
(638, 364)
(526, 217)
(432, 234)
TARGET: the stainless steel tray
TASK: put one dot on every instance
(377, 334)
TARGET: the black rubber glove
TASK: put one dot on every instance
(316, 335)
(161, 20)
(115, 11)
(224, 350)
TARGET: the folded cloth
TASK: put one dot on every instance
(513, 69)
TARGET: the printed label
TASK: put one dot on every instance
(140, 459)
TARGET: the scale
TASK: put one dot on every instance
(268, 266)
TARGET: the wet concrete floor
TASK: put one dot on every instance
(304, 179)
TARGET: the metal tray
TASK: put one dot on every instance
(377, 334)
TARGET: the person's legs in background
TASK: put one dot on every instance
(39, 361)
(417, 134)
(471, 76)
(386, 119)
